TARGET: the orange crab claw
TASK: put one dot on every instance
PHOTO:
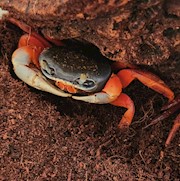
(22, 60)
(68, 88)
(128, 75)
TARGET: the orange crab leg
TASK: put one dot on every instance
(21, 25)
(113, 87)
(116, 66)
(26, 28)
(128, 75)
(125, 101)
(173, 131)
(31, 40)
(169, 109)
(36, 44)
(54, 41)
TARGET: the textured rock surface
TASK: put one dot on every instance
(140, 32)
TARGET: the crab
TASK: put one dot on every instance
(47, 65)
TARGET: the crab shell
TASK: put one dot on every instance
(64, 65)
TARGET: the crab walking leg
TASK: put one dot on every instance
(152, 81)
(173, 131)
(21, 60)
(125, 101)
(109, 93)
(56, 42)
(32, 40)
(26, 28)
(173, 103)
(116, 66)
(168, 109)
(37, 43)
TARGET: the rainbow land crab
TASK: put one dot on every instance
(45, 65)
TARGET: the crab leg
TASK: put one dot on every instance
(28, 30)
(116, 66)
(128, 75)
(173, 103)
(112, 94)
(173, 131)
(125, 101)
(169, 109)
(23, 59)
(37, 44)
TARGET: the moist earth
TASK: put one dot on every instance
(45, 137)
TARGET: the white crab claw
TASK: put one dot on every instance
(32, 76)
(97, 98)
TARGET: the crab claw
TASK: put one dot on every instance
(22, 64)
(97, 98)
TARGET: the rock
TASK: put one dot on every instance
(136, 32)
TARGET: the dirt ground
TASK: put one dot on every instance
(45, 137)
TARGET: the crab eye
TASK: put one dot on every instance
(47, 69)
(50, 71)
(88, 83)
(85, 84)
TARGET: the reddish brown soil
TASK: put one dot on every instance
(45, 137)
